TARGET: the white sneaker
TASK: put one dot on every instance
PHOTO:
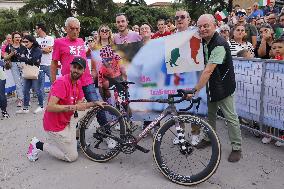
(38, 110)
(278, 144)
(110, 143)
(195, 140)
(175, 141)
(266, 140)
(32, 153)
(23, 111)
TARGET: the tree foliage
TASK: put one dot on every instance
(198, 7)
(92, 13)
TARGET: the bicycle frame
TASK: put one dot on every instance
(170, 110)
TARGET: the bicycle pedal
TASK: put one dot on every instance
(142, 149)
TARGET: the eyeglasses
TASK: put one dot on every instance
(25, 41)
(182, 17)
(104, 30)
(223, 31)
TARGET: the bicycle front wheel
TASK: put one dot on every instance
(181, 162)
(95, 145)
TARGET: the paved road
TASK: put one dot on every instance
(261, 167)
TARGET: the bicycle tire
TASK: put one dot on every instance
(92, 152)
(174, 174)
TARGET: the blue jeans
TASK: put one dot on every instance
(17, 76)
(3, 99)
(28, 84)
(41, 78)
(91, 96)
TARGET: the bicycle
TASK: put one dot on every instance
(194, 166)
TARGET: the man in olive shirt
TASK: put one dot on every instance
(219, 77)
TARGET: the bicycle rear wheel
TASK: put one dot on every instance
(192, 166)
(94, 144)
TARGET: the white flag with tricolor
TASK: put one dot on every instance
(184, 52)
(263, 3)
(221, 15)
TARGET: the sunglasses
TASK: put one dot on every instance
(90, 41)
(282, 20)
(182, 17)
(241, 14)
(25, 41)
(105, 60)
(104, 30)
(120, 14)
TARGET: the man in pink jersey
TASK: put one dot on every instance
(64, 50)
(64, 98)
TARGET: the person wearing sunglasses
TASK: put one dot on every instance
(124, 35)
(10, 55)
(238, 43)
(161, 29)
(251, 30)
(31, 56)
(105, 38)
(182, 20)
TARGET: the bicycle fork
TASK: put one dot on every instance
(185, 147)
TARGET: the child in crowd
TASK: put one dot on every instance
(277, 49)
(110, 68)
(245, 53)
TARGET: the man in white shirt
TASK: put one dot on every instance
(46, 43)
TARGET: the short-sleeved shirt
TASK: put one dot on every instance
(250, 31)
(64, 50)
(19, 50)
(44, 42)
(217, 55)
(131, 37)
(68, 94)
(236, 47)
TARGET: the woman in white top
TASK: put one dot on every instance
(238, 41)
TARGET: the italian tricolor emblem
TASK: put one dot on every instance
(263, 3)
(221, 15)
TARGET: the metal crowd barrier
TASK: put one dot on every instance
(260, 96)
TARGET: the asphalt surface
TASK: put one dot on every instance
(261, 167)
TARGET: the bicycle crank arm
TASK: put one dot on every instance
(111, 136)
(142, 149)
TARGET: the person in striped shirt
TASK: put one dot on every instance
(238, 42)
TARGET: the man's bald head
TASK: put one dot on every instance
(206, 24)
